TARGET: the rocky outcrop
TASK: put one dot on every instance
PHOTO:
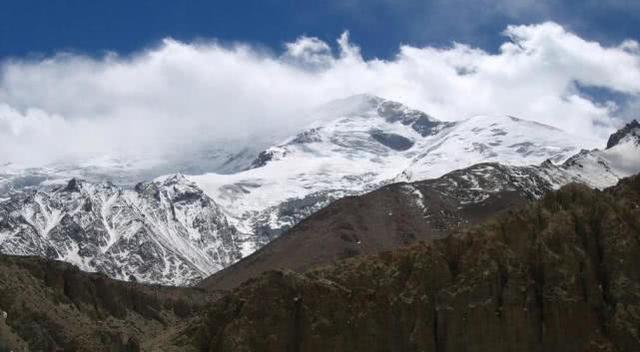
(630, 130)
(53, 306)
(420, 122)
(560, 275)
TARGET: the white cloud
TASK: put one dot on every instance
(310, 52)
(183, 96)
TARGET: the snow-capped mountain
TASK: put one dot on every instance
(403, 213)
(179, 229)
(595, 168)
(503, 139)
(371, 142)
(165, 231)
(127, 171)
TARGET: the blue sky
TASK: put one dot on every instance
(44, 27)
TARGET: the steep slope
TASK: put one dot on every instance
(389, 218)
(630, 132)
(560, 275)
(400, 214)
(621, 158)
(367, 143)
(504, 139)
(167, 231)
(52, 306)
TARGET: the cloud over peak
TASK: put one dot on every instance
(190, 95)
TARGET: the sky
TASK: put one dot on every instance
(44, 27)
(120, 77)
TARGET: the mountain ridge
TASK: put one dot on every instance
(369, 143)
(558, 275)
(179, 228)
(629, 131)
(474, 187)
(164, 232)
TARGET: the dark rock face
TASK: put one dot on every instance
(264, 157)
(560, 275)
(261, 160)
(391, 140)
(289, 213)
(308, 136)
(53, 306)
(428, 127)
(73, 185)
(632, 130)
(422, 123)
(396, 112)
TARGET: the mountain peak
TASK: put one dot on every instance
(176, 178)
(355, 105)
(368, 105)
(74, 185)
(630, 131)
(365, 98)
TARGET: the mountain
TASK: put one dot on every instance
(603, 168)
(504, 139)
(369, 142)
(180, 229)
(391, 217)
(167, 231)
(629, 133)
(127, 171)
(397, 215)
(561, 274)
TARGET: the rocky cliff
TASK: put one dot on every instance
(559, 275)
(52, 306)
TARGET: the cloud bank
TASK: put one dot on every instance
(181, 96)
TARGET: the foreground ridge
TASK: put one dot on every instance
(560, 275)
(47, 305)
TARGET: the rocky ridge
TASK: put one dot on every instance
(559, 275)
(52, 306)
(167, 231)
